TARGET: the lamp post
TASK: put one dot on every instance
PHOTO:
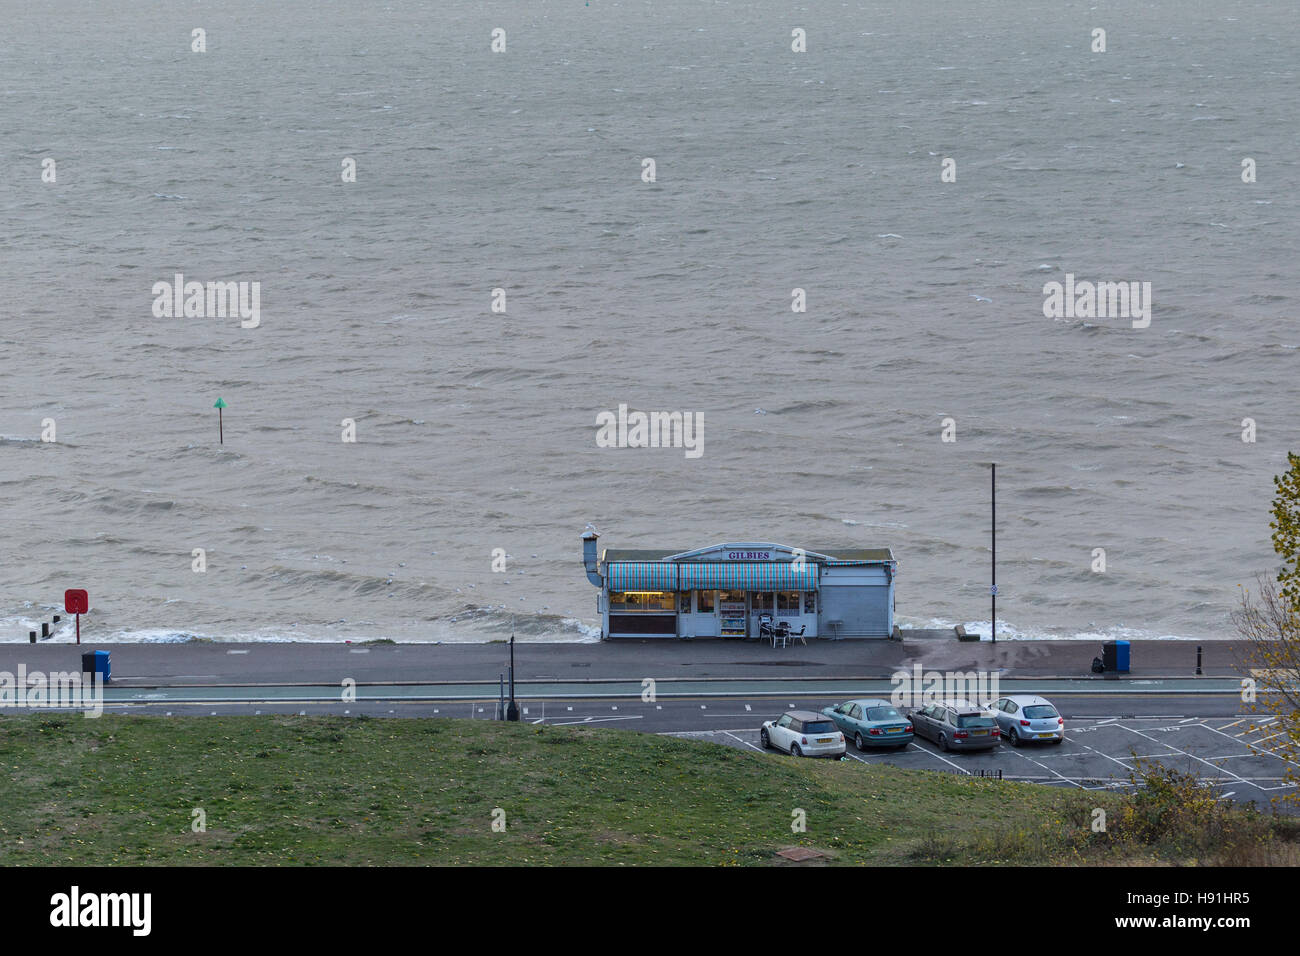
(993, 561)
(512, 709)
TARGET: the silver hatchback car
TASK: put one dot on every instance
(956, 725)
(1024, 717)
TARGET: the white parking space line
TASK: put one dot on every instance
(703, 733)
(932, 753)
(1232, 756)
(1025, 756)
(594, 720)
(1269, 752)
(743, 741)
(881, 755)
(1106, 755)
(1190, 756)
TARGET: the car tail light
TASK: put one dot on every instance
(804, 741)
(907, 729)
(875, 731)
(1024, 723)
(960, 735)
(841, 738)
(997, 733)
(1061, 721)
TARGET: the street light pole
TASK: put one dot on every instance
(993, 566)
(512, 709)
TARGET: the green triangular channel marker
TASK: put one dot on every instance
(220, 403)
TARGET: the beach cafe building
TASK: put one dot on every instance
(728, 590)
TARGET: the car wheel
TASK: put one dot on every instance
(1014, 736)
(764, 739)
(1059, 740)
(943, 742)
(795, 751)
(859, 742)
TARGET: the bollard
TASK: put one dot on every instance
(31, 636)
(1198, 660)
(45, 631)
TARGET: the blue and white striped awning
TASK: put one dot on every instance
(749, 576)
(711, 575)
(642, 576)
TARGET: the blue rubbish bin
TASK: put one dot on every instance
(1121, 657)
(1114, 655)
(97, 662)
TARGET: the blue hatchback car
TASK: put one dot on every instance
(871, 722)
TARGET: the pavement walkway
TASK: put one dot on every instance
(320, 663)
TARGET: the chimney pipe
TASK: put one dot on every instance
(590, 559)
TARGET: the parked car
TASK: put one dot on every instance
(803, 734)
(1024, 717)
(956, 725)
(871, 722)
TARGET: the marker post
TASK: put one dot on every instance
(221, 425)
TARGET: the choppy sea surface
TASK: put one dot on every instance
(522, 170)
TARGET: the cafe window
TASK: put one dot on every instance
(810, 602)
(789, 602)
(706, 601)
(641, 601)
(760, 602)
(684, 602)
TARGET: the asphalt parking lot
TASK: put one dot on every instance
(1098, 754)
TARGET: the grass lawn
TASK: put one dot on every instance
(352, 790)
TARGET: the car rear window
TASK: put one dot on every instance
(882, 713)
(1040, 712)
(818, 727)
(975, 720)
